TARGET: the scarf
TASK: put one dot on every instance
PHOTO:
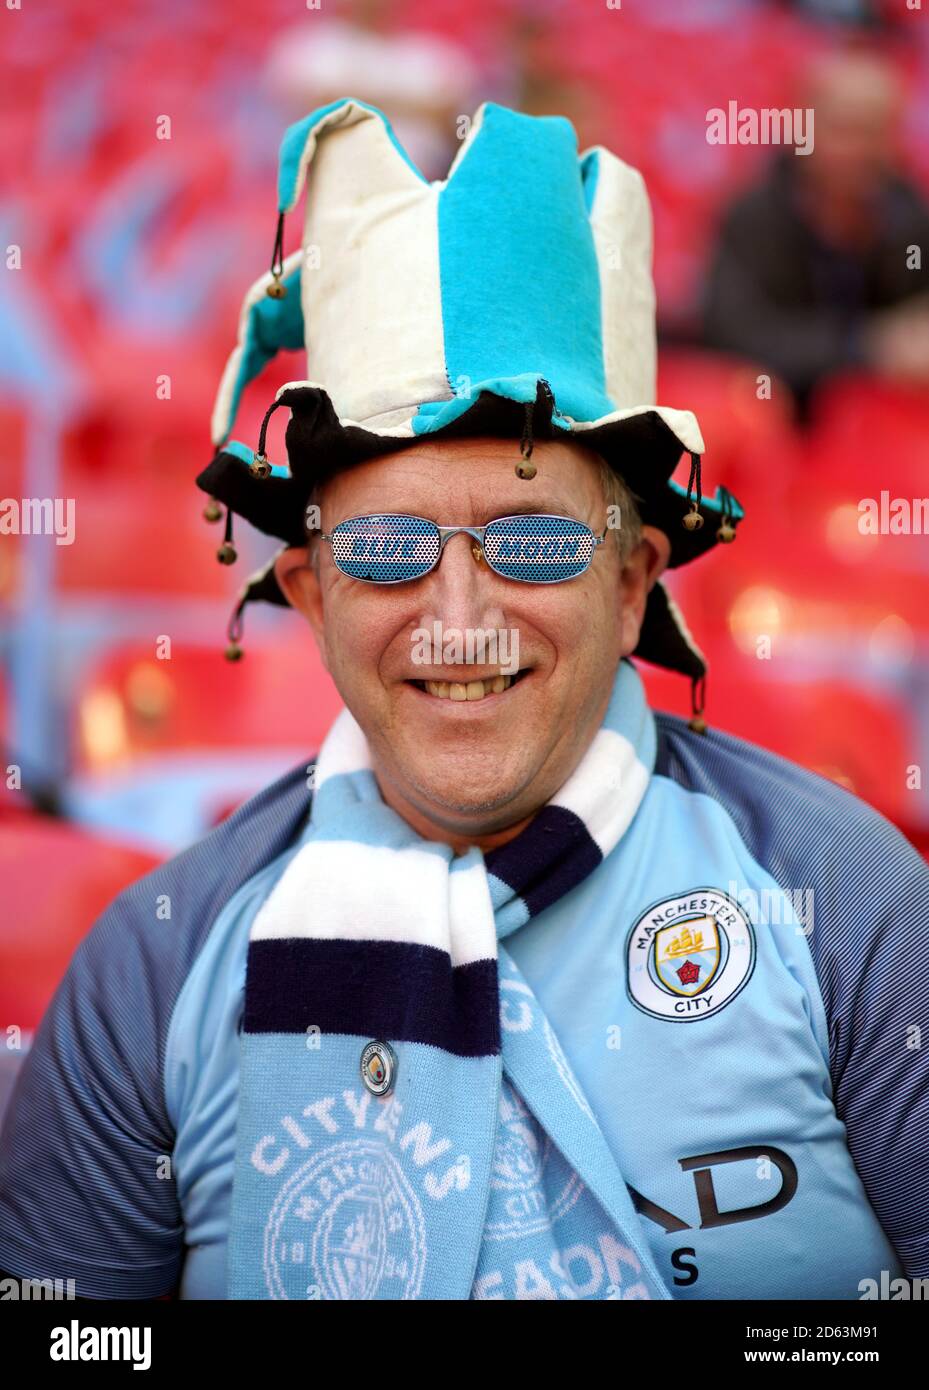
(482, 1154)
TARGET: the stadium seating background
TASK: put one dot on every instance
(135, 255)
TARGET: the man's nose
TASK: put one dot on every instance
(463, 589)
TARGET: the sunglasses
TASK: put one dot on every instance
(390, 547)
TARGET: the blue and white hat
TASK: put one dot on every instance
(513, 297)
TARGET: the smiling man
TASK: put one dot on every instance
(456, 764)
(483, 1012)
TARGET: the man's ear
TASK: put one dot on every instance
(641, 571)
(299, 582)
(659, 554)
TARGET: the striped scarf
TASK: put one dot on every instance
(480, 1171)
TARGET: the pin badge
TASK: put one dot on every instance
(378, 1068)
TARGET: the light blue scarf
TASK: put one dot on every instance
(484, 1153)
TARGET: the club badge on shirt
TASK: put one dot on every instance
(689, 956)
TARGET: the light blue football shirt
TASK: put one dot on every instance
(773, 1138)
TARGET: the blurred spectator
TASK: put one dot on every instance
(423, 82)
(814, 269)
(840, 11)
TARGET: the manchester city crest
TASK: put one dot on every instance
(690, 955)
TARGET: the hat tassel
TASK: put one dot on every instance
(697, 695)
(227, 553)
(259, 466)
(725, 532)
(526, 468)
(234, 650)
(694, 520)
(276, 289)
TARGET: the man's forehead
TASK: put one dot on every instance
(476, 470)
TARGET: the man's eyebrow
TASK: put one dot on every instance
(543, 508)
(488, 513)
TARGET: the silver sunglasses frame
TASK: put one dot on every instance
(446, 533)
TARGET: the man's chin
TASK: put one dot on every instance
(459, 800)
(460, 797)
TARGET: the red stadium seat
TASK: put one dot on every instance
(12, 485)
(166, 748)
(143, 535)
(868, 435)
(4, 710)
(56, 882)
(812, 582)
(751, 443)
(860, 740)
(133, 707)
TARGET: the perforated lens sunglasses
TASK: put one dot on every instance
(390, 547)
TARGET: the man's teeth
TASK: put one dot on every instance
(472, 690)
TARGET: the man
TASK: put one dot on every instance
(514, 1002)
(819, 268)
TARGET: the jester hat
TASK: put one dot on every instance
(512, 298)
